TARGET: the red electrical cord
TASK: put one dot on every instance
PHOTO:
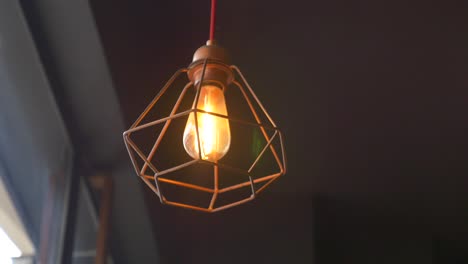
(213, 19)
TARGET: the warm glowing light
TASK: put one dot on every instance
(215, 136)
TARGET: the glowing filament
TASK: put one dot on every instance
(215, 136)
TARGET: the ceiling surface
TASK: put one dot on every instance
(372, 99)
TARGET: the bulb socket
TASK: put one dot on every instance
(217, 67)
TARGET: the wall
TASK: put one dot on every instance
(350, 231)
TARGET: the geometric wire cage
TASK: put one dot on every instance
(146, 167)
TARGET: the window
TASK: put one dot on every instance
(14, 241)
(9, 249)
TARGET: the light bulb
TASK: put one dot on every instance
(215, 135)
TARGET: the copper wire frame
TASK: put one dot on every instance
(157, 178)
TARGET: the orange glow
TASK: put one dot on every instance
(215, 136)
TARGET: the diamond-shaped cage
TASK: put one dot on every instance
(147, 169)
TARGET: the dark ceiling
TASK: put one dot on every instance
(372, 97)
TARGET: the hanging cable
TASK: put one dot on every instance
(213, 19)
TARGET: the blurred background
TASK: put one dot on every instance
(371, 96)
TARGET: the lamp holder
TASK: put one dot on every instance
(217, 67)
(210, 64)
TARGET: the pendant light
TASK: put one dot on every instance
(209, 136)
